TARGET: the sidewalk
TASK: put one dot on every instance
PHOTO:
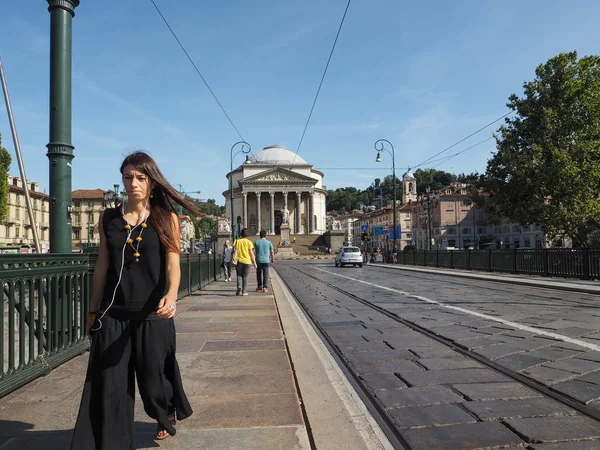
(234, 358)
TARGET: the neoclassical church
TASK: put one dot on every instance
(275, 184)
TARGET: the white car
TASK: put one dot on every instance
(349, 255)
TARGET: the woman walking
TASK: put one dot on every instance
(130, 320)
(227, 253)
(246, 259)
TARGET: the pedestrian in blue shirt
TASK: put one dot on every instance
(264, 257)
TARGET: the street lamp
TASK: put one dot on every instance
(379, 149)
(245, 150)
(113, 195)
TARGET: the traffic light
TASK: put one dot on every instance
(365, 237)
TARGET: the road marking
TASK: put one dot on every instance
(559, 337)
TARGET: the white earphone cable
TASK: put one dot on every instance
(129, 232)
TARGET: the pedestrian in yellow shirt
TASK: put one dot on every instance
(245, 256)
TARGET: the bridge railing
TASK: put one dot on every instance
(44, 303)
(582, 263)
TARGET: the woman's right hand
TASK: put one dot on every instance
(89, 323)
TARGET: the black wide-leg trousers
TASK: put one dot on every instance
(120, 350)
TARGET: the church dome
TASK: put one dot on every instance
(277, 156)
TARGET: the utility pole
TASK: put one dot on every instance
(60, 148)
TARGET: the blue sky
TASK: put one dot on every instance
(421, 74)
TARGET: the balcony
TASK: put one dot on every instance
(76, 224)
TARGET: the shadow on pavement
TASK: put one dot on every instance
(15, 435)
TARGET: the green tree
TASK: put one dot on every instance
(547, 166)
(5, 161)
(204, 227)
(343, 200)
(432, 178)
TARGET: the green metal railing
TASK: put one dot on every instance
(44, 303)
(583, 263)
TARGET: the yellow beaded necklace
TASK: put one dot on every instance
(138, 239)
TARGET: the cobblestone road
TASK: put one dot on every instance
(440, 399)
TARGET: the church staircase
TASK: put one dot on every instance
(305, 244)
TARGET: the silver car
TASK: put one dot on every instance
(349, 255)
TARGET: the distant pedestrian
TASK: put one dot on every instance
(227, 253)
(246, 259)
(264, 258)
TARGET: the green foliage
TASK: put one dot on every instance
(343, 200)
(208, 207)
(434, 179)
(204, 227)
(5, 161)
(547, 167)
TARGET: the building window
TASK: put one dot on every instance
(450, 231)
(516, 229)
(451, 243)
(481, 230)
(76, 235)
(466, 231)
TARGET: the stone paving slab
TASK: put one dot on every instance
(549, 429)
(579, 390)
(417, 396)
(495, 391)
(440, 377)
(504, 409)
(463, 436)
(422, 416)
(547, 375)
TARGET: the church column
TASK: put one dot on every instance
(245, 211)
(272, 218)
(311, 212)
(298, 198)
(259, 226)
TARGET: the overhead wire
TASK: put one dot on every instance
(197, 70)
(464, 139)
(321, 83)
(441, 161)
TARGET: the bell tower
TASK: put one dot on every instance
(409, 187)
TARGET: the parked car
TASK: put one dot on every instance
(349, 255)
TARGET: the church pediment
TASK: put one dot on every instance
(278, 176)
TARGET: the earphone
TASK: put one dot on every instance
(129, 232)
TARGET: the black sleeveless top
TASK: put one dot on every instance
(143, 282)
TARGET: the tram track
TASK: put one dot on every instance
(380, 414)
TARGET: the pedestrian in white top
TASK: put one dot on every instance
(227, 253)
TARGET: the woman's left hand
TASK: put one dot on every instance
(167, 307)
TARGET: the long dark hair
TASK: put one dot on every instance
(163, 198)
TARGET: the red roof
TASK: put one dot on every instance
(88, 194)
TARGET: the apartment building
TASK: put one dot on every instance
(85, 217)
(16, 233)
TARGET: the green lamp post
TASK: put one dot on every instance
(60, 149)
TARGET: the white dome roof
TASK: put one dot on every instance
(408, 176)
(277, 156)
